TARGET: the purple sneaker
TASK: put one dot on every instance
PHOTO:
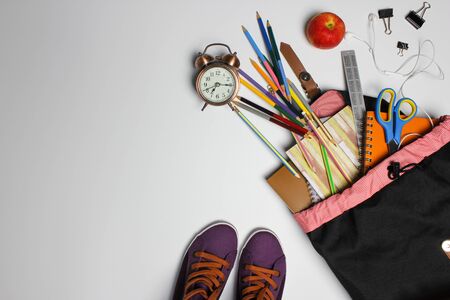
(262, 268)
(207, 263)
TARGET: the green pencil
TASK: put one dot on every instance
(328, 169)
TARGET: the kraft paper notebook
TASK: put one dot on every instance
(376, 148)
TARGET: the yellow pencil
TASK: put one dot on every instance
(311, 114)
(269, 101)
(299, 103)
(270, 83)
(296, 138)
(257, 92)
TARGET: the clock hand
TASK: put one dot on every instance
(218, 84)
(209, 88)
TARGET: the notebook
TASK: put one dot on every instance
(342, 128)
(295, 192)
(376, 148)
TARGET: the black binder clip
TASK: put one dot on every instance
(401, 47)
(384, 14)
(413, 16)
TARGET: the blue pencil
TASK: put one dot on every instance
(264, 33)
(261, 56)
(269, 47)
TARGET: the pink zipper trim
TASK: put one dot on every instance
(374, 180)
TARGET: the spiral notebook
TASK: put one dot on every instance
(376, 148)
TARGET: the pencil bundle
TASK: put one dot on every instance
(293, 111)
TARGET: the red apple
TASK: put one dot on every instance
(325, 30)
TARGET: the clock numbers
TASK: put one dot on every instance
(218, 85)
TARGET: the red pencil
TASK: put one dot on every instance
(271, 116)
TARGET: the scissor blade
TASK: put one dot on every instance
(392, 146)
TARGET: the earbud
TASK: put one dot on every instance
(202, 60)
(232, 60)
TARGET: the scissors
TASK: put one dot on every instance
(395, 121)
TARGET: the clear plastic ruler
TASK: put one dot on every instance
(356, 97)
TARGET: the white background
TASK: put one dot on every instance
(107, 166)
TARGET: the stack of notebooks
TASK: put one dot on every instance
(342, 128)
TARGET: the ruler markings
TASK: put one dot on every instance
(356, 96)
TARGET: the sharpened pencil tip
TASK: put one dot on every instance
(258, 16)
(268, 23)
(243, 28)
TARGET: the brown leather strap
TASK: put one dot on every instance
(308, 84)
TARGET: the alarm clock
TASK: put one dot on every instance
(217, 81)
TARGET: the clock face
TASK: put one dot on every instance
(217, 85)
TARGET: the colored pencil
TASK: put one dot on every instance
(278, 58)
(261, 56)
(263, 110)
(272, 85)
(269, 101)
(264, 33)
(331, 154)
(269, 118)
(304, 106)
(302, 148)
(266, 142)
(267, 94)
(268, 45)
(305, 153)
(328, 169)
(299, 96)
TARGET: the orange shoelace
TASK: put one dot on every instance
(207, 272)
(260, 283)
